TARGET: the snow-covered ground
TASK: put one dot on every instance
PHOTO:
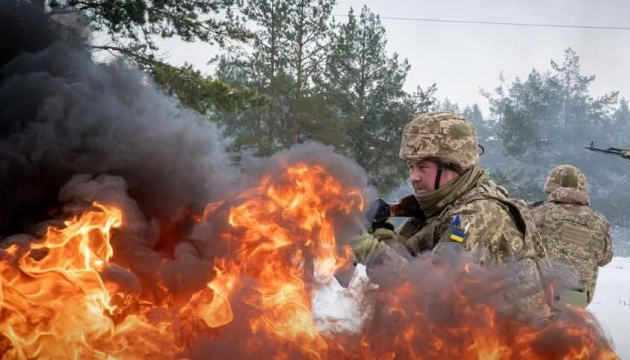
(611, 304)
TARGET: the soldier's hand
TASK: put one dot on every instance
(385, 235)
(364, 245)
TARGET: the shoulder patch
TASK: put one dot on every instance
(458, 232)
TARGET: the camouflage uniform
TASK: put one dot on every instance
(574, 234)
(493, 228)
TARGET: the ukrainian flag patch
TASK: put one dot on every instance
(458, 233)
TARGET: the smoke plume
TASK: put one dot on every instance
(62, 114)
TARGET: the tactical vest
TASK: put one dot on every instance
(431, 230)
(572, 238)
(528, 264)
(523, 219)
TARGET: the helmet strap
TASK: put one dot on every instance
(438, 177)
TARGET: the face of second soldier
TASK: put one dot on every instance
(422, 175)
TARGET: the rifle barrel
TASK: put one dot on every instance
(616, 151)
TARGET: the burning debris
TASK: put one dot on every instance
(127, 235)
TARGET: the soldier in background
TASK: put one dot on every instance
(575, 235)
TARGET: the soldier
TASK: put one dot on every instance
(574, 234)
(460, 205)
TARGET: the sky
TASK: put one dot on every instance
(464, 58)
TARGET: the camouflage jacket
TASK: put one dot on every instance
(493, 231)
(498, 230)
(574, 234)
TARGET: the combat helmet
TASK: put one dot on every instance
(565, 176)
(445, 137)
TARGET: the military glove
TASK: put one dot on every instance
(385, 235)
(364, 245)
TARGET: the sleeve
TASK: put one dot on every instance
(538, 215)
(386, 263)
(607, 253)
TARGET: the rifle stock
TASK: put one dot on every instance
(379, 211)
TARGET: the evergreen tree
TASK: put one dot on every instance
(548, 120)
(201, 92)
(288, 52)
(134, 25)
(363, 86)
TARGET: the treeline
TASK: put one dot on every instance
(289, 72)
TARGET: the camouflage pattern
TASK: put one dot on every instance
(574, 234)
(567, 176)
(443, 136)
(493, 236)
(494, 228)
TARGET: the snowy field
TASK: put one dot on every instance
(611, 304)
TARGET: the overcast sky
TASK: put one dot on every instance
(462, 58)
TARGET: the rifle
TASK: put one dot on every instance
(624, 153)
(379, 211)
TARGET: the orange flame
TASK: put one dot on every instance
(285, 226)
(57, 301)
(57, 306)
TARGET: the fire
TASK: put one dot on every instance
(61, 297)
(286, 226)
(54, 301)
(447, 311)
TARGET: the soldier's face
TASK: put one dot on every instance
(422, 175)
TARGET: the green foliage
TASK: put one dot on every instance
(201, 92)
(547, 120)
(537, 114)
(484, 128)
(133, 25)
(445, 105)
(364, 88)
(333, 83)
(290, 47)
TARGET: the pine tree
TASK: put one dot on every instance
(290, 47)
(363, 86)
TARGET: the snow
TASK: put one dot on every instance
(611, 304)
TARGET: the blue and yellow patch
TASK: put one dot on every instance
(458, 233)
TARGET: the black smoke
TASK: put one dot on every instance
(74, 131)
(62, 114)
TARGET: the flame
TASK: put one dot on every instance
(58, 299)
(55, 304)
(285, 227)
(457, 318)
